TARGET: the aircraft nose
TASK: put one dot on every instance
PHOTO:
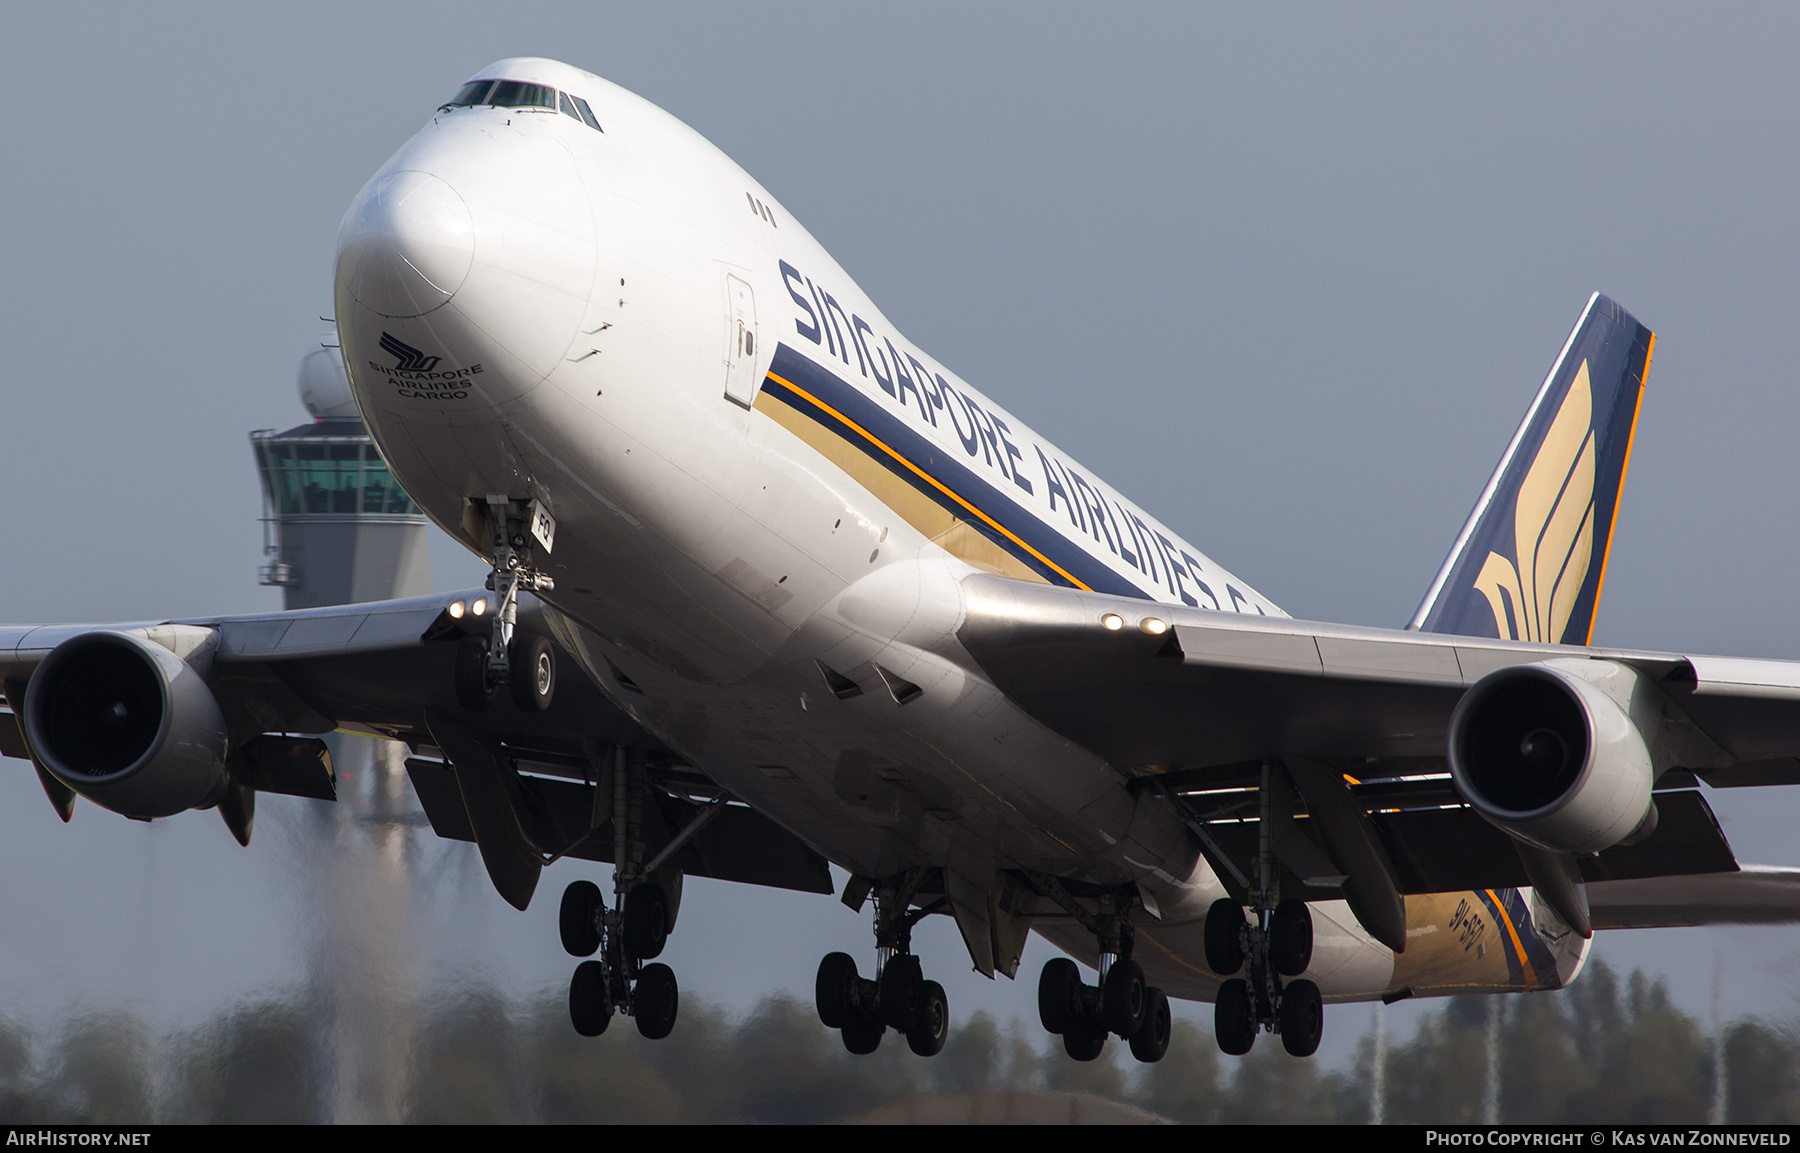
(406, 245)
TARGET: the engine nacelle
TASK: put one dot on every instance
(127, 724)
(1553, 759)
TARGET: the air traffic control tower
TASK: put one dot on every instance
(337, 529)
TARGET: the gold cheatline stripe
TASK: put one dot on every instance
(1518, 945)
(1619, 496)
(932, 480)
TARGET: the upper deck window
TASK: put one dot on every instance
(519, 94)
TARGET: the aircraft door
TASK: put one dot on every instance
(740, 342)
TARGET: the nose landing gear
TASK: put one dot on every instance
(899, 997)
(525, 664)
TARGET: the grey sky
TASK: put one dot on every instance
(1287, 276)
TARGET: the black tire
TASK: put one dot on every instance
(531, 673)
(472, 690)
(1057, 985)
(1291, 938)
(646, 921)
(831, 989)
(1302, 1018)
(1083, 1042)
(862, 1038)
(1234, 1025)
(1225, 937)
(932, 1027)
(1125, 998)
(655, 1001)
(1152, 1041)
(901, 992)
(589, 1010)
(575, 920)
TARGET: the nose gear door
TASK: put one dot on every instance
(740, 336)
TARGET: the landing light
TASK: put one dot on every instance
(1153, 626)
(478, 607)
(1113, 622)
(456, 610)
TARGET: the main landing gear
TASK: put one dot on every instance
(1277, 944)
(625, 936)
(524, 663)
(899, 997)
(1123, 1004)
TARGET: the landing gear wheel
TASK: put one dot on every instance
(1152, 1041)
(901, 993)
(1083, 1042)
(932, 1026)
(472, 689)
(580, 935)
(1057, 985)
(862, 1038)
(1302, 1018)
(655, 1001)
(1224, 937)
(831, 989)
(589, 1010)
(1125, 998)
(1234, 1024)
(1291, 938)
(531, 676)
(646, 921)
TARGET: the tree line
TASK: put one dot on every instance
(1606, 1050)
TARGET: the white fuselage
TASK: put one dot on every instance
(757, 479)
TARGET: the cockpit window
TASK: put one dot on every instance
(587, 113)
(519, 94)
(472, 93)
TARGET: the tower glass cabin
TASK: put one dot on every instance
(337, 528)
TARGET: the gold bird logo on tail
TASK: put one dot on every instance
(1553, 527)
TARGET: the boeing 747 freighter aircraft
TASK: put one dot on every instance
(771, 587)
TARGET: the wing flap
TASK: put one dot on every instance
(739, 844)
(1753, 895)
(1452, 848)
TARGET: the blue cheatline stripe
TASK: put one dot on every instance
(1512, 915)
(1538, 953)
(928, 457)
(1515, 969)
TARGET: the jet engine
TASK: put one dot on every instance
(127, 724)
(1552, 759)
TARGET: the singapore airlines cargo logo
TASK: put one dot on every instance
(416, 376)
(1553, 529)
(409, 358)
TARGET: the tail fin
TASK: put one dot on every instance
(1531, 561)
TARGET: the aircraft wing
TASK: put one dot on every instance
(524, 786)
(1190, 702)
(1216, 687)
